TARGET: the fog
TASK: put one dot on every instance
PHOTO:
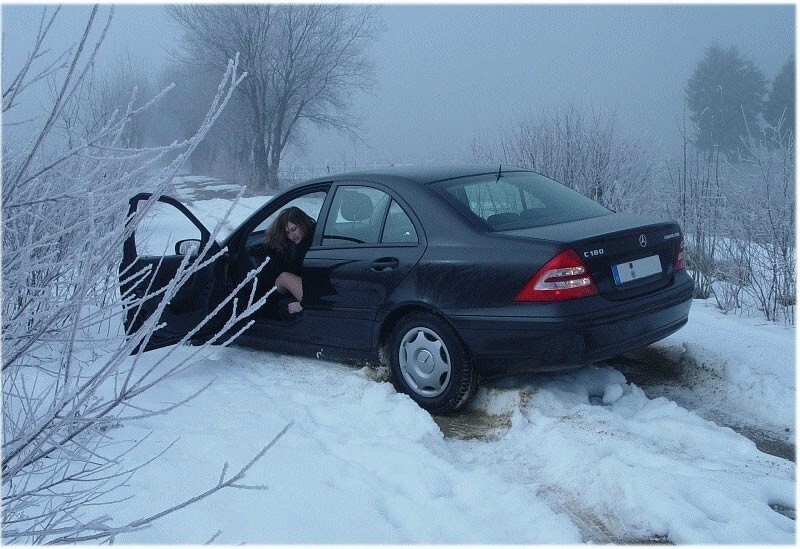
(446, 74)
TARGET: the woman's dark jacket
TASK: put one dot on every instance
(289, 259)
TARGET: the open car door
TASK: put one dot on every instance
(160, 261)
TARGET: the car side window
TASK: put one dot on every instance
(356, 216)
(310, 203)
(398, 227)
(256, 242)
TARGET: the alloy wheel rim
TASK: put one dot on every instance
(425, 361)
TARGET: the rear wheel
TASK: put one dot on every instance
(429, 363)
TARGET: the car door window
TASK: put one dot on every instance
(356, 216)
(398, 228)
(310, 203)
(255, 241)
(161, 228)
(163, 233)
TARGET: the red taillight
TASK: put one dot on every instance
(680, 260)
(563, 277)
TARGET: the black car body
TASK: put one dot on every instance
(449, 272)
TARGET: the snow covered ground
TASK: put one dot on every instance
(570, 458)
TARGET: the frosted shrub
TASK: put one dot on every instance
(68, 373)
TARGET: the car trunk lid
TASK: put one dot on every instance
(627, 255)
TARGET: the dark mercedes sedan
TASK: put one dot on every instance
(444, 274)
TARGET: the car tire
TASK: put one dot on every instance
(429, 363)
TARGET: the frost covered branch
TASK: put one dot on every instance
(70, 373)
(22, 81)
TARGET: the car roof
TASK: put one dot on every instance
(419, 174)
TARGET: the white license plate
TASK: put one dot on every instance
(635, 270)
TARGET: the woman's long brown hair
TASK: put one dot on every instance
(276, 233)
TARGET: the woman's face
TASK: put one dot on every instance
(294, 232)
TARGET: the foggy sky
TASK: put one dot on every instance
(446, 74)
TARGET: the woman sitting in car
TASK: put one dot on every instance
(289, 238)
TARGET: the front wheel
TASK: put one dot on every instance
(429, 363)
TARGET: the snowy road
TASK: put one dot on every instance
(660, 372)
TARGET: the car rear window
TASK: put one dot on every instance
(518, 200)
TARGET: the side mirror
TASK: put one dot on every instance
(190, 247)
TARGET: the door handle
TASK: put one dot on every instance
(385, 264)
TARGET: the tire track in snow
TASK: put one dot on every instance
(663, 372)
(477, 425)
(504, 412)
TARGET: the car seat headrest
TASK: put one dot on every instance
(356, 206)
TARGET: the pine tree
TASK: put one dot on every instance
(725, 95)
(779, 109)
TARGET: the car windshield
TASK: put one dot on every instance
(518, 200)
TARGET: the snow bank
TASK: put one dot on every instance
(363, 464)
(746, 366)
(638, 468)
(360, 464)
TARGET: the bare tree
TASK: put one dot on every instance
(739, 217)
(768, 221)
(105, 93)
(226, 152)
(581, 149)
(702, 210)
(32, 70)
(303, 63)
(70, 375)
